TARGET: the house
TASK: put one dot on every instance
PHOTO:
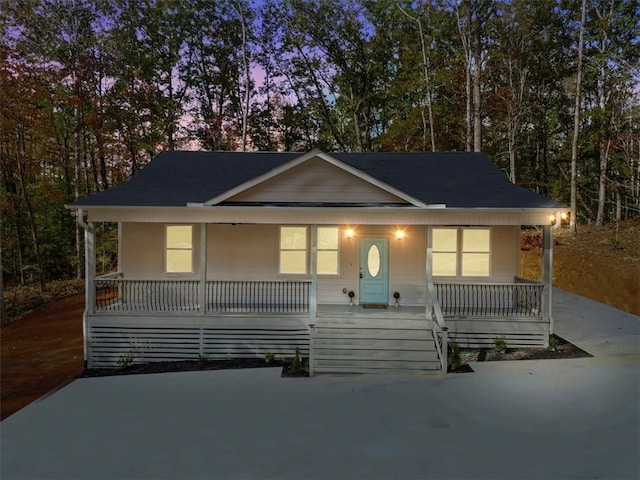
(364, 261)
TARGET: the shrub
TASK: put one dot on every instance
(500, 344)
(553, 343)
(296, 363)
(269, 357)
(454, 356)
(126, 360)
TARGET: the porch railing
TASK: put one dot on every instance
(116, 294)
(490, 299)
(439, 331)
(121, 295)
(258, 296)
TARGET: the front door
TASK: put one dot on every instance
(374, 271)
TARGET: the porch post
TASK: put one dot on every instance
(90, 286)
(313, 300)
(428, 266)
(90, 267)
(547, 273)
(202, 300)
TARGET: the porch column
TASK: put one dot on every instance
(313, 294)
(547, 273)
(428, 266)
(202, 300)
(89, 278)
(90, 267)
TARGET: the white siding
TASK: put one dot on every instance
(316, 181)
(142, 250)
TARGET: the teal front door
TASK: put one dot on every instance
(374, 271)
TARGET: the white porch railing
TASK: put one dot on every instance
(508, 300)
(116, 294)
(258, 296)
(440, 330)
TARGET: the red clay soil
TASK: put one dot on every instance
(41, 352)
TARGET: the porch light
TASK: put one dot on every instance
(552, 219)
(399, 234)
(564, 215)
(349, 233)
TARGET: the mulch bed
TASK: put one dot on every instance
(196, 365)
(564, 350)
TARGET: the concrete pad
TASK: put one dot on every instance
(523, 419)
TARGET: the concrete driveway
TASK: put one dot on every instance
(556, 419)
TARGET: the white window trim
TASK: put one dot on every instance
(166, 249)
(337, 250)
(460, 254)
(306, 251)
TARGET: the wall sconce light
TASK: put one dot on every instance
(552, 219)
(399, 234)
(349, 233)
(564, 216)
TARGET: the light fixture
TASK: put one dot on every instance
(564, 215)
(349, 232)
(399, 234)
(552, 219)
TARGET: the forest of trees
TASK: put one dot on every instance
(91, 90)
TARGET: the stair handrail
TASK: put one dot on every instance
(440, 330)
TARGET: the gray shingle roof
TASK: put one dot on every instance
(459, 180)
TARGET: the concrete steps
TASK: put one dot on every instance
(367, 345)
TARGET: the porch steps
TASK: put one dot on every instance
(373, 345)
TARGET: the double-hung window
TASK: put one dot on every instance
(294, 246)
(293, 250)
(461, 251)
(179, 249)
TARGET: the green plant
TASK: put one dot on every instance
(500, 344)
(553, 343)
(269, 357)
(202, 359)
(454, 356)
(125, 360)
(296, 364)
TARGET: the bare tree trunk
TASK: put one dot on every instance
(30, 213)
(476, 62)
(76, 195)
(464, 38)
(247, 76)
(602, 182)
(576, 125)
(427, 77)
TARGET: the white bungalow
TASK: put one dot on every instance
(364, 261)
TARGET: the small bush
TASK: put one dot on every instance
(553, 343)
(269, 357)
(296, 363)
(126, 360)
(500, 345)
(203, 359)
(454, 356)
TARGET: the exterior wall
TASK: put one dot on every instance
(143, 246)
(250, 252)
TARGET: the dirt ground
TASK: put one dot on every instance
(40, 352)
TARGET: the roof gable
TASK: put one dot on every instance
(315, 178)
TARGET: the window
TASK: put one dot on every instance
(461, 252)
(179, 249)
(294, 247)
(293, 250)
(475, 252)
(328, 250)
(445, 247)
